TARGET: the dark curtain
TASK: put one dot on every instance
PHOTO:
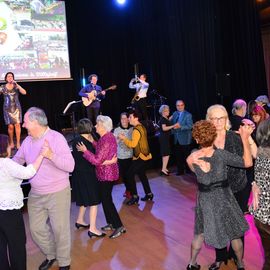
(181, 45)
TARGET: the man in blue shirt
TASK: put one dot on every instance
(92, 94)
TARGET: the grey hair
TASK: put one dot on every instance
(221, 107)
(38, 114)
(106, 122)
(162, 108)
(237, 105)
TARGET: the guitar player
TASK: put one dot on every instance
(139, 99)
(92, 89)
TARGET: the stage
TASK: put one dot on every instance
(158, 237)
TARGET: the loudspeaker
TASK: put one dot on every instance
(223, 84)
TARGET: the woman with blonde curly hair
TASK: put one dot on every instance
(218, 218)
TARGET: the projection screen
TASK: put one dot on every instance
(33, 40)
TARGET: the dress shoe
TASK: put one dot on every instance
(133, 200)
(193, 267)
(108, 227)
(216, 265)
(148, 197)
(162, 173)
(127, 194)
(117, 232)
(46, 264)
(78, 226)
(64, 267)
(91, 234)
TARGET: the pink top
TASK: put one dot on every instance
(106, 148)
(53, 175)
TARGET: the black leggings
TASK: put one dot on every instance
(12, 240)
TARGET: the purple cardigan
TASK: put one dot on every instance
(106, 148)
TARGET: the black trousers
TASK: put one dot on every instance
(181, 154)
(124, 165)
(12, 240)
(141, 106)
(92, 113)
(111, 214)
(138, 167)
(264, 231)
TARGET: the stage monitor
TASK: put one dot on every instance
(33, 40)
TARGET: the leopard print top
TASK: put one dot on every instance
(262, 178)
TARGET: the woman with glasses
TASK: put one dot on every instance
(230, 141)
(218, 217)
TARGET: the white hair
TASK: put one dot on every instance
(35, 113)
(106, 121)
(162, 108)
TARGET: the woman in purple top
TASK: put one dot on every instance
(106, 149)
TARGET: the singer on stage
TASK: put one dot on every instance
(139, 99)
(12, 108)
(94, 93)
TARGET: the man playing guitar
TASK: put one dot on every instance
(139, 99)
(94, 94)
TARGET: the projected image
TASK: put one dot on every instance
(33, 39)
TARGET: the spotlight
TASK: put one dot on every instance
(121, 2)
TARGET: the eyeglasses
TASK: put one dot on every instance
(218, 119)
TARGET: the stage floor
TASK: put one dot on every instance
(158, 237)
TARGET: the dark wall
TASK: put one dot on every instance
(181, 45)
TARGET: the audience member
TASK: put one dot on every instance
(12, 231)
(141, 154)
(106, 149)
(124, 153)
(85, 186)
(218, 218)
(49, 199)
(164, 137)
(261, 196)
(182, 136)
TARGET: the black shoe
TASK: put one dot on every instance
(46, 264)
(78, 226)
(117, 232)
(162, 173)
(108, 227)
(133, 200)
(216, 265)
(64, 267)
(148, 197)
(91, 234)
(193, 267)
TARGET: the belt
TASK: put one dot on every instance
(212, 186)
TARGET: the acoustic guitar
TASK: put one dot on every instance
(93, 95)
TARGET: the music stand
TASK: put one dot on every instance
(158, 100)
(71, 109)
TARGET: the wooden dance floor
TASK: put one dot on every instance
(158, 235)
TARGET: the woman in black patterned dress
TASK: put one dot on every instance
(218, 218)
